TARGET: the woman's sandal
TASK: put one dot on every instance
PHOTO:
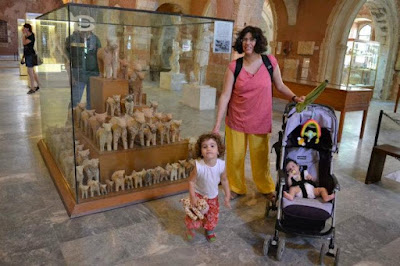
(235, 195)
(270, 196)
(31, 91)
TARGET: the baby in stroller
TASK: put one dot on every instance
(301, 184)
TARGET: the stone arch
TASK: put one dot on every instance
(333, 47)
(170, 8)
(270, 18)
(210, 9)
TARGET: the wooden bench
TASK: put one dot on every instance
(377, 161)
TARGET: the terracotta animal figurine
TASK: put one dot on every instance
(84, 190)
(150, 134)
(91, 168)
(114, 105)
(154, 106)
(108, 60)
(129, 180)
(119, 180)
(148, 114)
(175, 130)
(138, 178)
(163, 173)
(95, 123)
(94, 187)
(123, 69)
(182, 169)
(82, 156)
(162, 131)
(156, 175)
(135, 127)
(129, 104)
(79, 174)
(104, 136)
(110, 185)
(195, 212)
(136, 76)
(77, 113)
(119, 132)
(103, 189)
(85, 115)
(148, 177)
(173, 171)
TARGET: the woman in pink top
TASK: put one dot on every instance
(249, 116)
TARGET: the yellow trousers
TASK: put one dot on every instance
(236, 147)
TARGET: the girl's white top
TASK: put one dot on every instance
(208, 178)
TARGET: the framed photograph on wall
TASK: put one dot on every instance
(222, 37)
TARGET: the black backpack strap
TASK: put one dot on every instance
(239, 65)
(268, 65)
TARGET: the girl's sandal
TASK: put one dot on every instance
(211, 238)
(189, 235)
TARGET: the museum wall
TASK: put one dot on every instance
(293, 42)
(16, 9)
(310, 26)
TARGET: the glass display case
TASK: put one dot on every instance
(113, 133)
(360, 63)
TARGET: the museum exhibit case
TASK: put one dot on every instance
(113, 133)
(360, 63)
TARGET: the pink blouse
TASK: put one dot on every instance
(250, 106)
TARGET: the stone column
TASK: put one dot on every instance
(337, 67)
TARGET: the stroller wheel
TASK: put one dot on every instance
(324, 249)
(337, 256)
(280, 249)
(267, 244)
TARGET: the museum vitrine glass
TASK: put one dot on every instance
(360, 63)
(133, 90)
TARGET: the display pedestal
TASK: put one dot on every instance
(201, 97)
(136, 159)
(172, 81)
(114, 199)
(101, 89)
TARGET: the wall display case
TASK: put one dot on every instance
(360, 63)
(111, 136)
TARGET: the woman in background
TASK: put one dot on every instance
(28, 40)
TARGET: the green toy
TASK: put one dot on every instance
(311, 97)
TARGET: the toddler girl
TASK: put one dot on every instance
(204, 180)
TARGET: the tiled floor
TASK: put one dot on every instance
(35, 228)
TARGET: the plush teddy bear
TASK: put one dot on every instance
(195, 212)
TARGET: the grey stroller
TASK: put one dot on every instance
(309, 138)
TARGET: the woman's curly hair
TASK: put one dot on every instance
(207, 136)
(256, 33)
